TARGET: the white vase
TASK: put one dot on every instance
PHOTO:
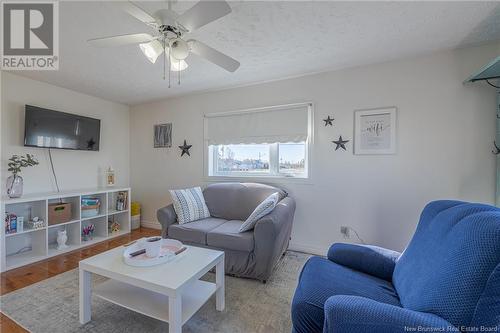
(62, 238)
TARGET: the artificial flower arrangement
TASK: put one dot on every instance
(88, 231)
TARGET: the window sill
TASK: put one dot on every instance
(259, 179)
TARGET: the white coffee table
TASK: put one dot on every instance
(171, 292)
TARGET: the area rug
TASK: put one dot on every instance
(251, 306)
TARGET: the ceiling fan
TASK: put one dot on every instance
(169, 37)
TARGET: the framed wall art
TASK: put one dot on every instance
(375, 131)
(163, 136)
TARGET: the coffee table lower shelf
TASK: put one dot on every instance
(153, 304)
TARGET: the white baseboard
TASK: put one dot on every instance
(307, 249)
(150, 224)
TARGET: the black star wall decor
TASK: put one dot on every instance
(329, 121)
(185, 149)
(340, 143)
(90, 144)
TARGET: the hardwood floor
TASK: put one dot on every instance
(24, 276)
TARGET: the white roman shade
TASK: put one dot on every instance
(282, 124)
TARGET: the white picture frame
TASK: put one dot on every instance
(375, 131)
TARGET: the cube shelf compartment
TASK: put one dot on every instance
(22, 248)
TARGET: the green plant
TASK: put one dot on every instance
(16, 163)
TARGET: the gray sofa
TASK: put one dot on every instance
(251, 254)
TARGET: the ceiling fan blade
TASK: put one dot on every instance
(136, 12)
(203, 13)
(214, 56)
(121, 40)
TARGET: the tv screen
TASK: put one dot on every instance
(53, 129)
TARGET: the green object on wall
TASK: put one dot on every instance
(489, 72)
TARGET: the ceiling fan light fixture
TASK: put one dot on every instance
(178, 65)
(152, 50)
(179, 49)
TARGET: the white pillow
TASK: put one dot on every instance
(264, 208)
(189, 205)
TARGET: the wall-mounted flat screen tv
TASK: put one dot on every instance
(53, 129)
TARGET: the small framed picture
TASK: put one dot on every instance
(163, 136)
(375, 131)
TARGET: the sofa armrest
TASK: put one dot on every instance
(166, 216)
(359, 314)
(281, 215)
(369, 259)
(272, 235)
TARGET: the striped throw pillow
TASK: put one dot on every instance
(264, 208)
(189, 205)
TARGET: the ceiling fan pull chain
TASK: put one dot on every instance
(179, 82)
(164, 59)
(169, 65)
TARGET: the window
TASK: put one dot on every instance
(292, 158)
(270, 142)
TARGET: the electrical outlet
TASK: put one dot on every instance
(344, 230)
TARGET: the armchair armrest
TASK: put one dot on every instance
(369, 259)
(166, 216)
(359, 314)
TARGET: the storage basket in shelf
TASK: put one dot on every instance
(59, 213)
(90, 207)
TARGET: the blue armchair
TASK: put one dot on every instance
(447, 279)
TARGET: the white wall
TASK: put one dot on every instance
(75, 169)
(445, 139)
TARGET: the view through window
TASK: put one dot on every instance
(278, 159)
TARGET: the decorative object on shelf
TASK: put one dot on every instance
(121, 200)
(90, 206)
(110, 176)
(59, 213)
(340, 143)
(329, 121)
(62, 238)
(10, 223)
(20, 223)
(15, 182)
(375, 131)
(185, 149)
(35, 223)
(163, 136)
(113, 226)
(88, 232)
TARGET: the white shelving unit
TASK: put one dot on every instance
(29, 246)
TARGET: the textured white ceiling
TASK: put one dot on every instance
(272, 40)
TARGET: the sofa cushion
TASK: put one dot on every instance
(322, 278)
(264, 208)
(227, 236)
(189, 205)
(194, 232)
(446, 267)
(236, 201)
